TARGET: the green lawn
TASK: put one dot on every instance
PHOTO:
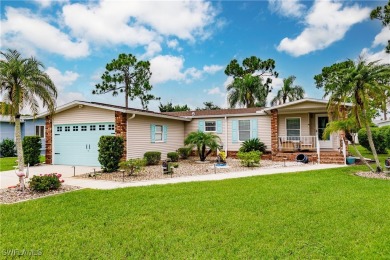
(317, 214)
(8, 163)
(367, 154)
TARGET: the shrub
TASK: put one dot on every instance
(152, 157)
(252, 145)
(222, 156)
(132, 166)
(174, 156)
(31, 149)
(377, 137)
(110, 152)
(184, 152)
(45, 182)
(8, 148)
(385, 131)
(249, 159)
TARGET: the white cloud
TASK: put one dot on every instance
(67, 97)
(48, 3)
(212, 69)
(380, 56)
(151, 50)
(168, 67)
(215, 91)
(289, 8)
(62, 80)
(173, 44)
(382, 38)
(22, 28)
(228, 81)
(326, 23)
(136, 23)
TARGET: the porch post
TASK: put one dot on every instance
(274, 132)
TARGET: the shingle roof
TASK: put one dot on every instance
(229, 111)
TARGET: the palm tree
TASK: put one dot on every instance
(248, 91)
(22, 84)
(360, 83)
(202, 140)
(288, 92)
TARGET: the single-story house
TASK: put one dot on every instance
(383, 123)
(29, 126)
(73, 132)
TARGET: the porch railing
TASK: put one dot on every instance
(298, 143)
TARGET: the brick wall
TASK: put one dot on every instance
(121, 129)
(49, 140)
(274, 131)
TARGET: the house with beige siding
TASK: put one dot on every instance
(73, 131)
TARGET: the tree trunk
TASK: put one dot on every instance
(371, 142)
(361, 157)
(18, 140)
(202, 157)
(127, 97)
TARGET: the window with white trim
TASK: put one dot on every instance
(158, 133)
(210, 126)
(59, 128)
(244, 130)
(75, 128)
(83, 128)
(102, 127)
(293, 127)
(40, 131)
(111, 127)
(92, 128)
(67, 128)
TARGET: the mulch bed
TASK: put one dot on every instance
(187, 167)
(14, 195)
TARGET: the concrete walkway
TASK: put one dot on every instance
(9, 178)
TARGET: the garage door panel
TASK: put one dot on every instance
(77, 147)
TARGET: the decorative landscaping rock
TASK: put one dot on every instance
(382, 175)
(14, 195)
(188, 167)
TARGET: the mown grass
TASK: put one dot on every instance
(8, 163)
(367, 154)
(317, 214)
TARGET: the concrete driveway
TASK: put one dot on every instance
(9, 178)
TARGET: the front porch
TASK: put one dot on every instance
(298, 127)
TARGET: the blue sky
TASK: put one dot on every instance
(189, 44)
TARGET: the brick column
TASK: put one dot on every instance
(49, 140)
(274, 132)
(121, 129)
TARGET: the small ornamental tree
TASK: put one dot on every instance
(202, 141)
(110, 152)
(31, 149)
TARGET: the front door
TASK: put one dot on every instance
(321, 121)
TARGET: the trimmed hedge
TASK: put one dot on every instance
(249, 159)
(184, 152)
(152, 157)
(45, 182)
(110, 152)
(31, 149)
(174, 156)
(8, 148)
(379, 137)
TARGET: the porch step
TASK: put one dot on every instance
(326, 157)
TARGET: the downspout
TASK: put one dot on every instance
(226, 136)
